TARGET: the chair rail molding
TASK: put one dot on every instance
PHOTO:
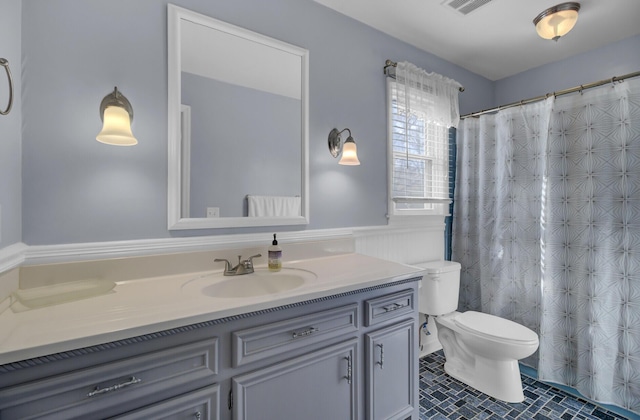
(12, 256)
(405, 243)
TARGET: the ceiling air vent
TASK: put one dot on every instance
(464, 7)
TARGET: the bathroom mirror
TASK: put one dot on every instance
(238, 126)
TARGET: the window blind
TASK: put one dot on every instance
(420, 150)
(422, 108)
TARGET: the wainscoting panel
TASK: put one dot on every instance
(408, 244)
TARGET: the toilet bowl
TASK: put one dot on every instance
(481, 350)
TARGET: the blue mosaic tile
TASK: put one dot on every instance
(445, 398)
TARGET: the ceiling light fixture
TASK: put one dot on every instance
(557, 21)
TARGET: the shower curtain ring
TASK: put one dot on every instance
(5, 63)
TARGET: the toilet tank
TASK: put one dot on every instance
(440, 287)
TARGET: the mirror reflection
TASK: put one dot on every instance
(237, 129)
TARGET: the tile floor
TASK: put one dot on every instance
(444, 398)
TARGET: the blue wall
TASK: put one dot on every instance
(78, 190)
(615, 59)
(75, 189)
(10, 127)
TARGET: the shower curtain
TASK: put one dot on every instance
(547, 229)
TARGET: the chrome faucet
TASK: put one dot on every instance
(243, 267)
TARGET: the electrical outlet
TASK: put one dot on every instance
(213, 211)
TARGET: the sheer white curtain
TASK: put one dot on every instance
(547, 229)
(431, 93)
(423, 107)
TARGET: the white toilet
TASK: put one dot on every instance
(481, 350)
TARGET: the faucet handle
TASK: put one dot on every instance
(248, 263)
(227, 266)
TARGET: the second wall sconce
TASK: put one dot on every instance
(349, 149)
(116, 114)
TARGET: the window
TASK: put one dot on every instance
(419, 155)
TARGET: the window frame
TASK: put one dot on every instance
(437, 207)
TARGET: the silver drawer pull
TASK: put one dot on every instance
(97, 391)
(304, 333)
(393, 307)
(197, 415)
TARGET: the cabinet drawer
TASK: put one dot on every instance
(389, 306)
(203, 404)
(114, 388)
(264, 341)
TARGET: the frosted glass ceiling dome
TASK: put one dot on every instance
(557, 21)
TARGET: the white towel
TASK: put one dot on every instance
(273, 206)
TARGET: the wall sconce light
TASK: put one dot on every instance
(349, 149)
(557, 21)
(116, 114)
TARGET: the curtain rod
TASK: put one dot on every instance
(390, 63)
(555, 94)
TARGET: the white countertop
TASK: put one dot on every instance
(149, 305)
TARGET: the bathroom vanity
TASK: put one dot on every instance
(342, 345)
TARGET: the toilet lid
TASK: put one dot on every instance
(495, 327)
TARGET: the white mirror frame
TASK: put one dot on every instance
(175, 158)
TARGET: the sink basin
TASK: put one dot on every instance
(259, 283)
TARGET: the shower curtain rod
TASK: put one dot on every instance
(390, 63)
(556, 94)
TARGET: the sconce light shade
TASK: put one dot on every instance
(349, 149)
(557, 21)
(116, 114)
(349, 153)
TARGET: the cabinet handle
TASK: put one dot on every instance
(349, 376)
(197, 415)
(381, 362)
(304, 333)
(393, 307)
(97, 391)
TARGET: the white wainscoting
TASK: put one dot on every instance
(409, 243)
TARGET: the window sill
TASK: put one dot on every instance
(417, 219)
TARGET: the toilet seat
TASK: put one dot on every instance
(495, 328)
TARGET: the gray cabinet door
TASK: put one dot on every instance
(391, 371)
(319, 385)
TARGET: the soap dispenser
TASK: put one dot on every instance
(275, 255)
